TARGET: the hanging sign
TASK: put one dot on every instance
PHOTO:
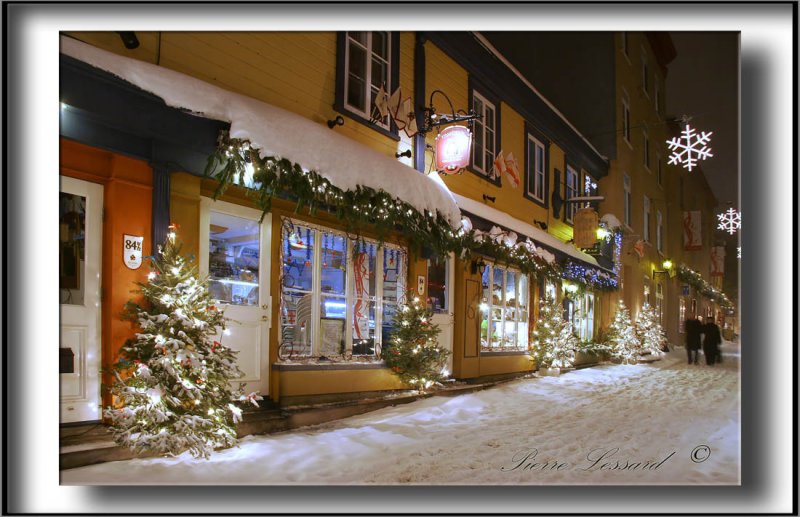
(452, 149)
(692, 238)
(361, 308)
(132, 250)
(584, 231)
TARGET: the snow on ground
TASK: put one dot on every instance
(661, 423)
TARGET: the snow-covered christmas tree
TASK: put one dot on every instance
(622, 341)
(172, 382)
(553, 341)
(413, 353)
(652, 339)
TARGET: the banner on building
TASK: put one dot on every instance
(361, 308)
(692, 237)
(717, 261)
(584, 231)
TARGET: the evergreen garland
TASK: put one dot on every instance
(172, 381)
(693, 278)
(412, 352)
(365, 209)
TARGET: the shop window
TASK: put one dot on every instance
(72, 250)
(583, 317)
(682, 315)
(233, 259)
(484, 141)
(504, 310)
(366, 61)
(338, 296)
(438, 289)
(535, 179)
(659, 302)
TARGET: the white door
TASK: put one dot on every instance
(235, 254)
(80, 263)
(441, 278)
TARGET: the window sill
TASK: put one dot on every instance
(393, 134)
(316, 366)
(503, 353)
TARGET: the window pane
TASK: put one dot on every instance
(334, 264)
(332, 321)
(387, 325)
(233, 258)
(511, 288)
(522, 330)
(379, 74)
(72, 249)
(356, 77)
(360, 37)
(298, 257)
(380, 44)
(437, 289)
(364, 327)
(295, 323)
(489, 117)
(522, 292)
(394, 267)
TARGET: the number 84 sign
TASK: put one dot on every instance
(132, 251)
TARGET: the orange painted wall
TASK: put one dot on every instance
(127, 202)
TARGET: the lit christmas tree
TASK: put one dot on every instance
(553, 342)
(622, 341)
(652, 339)
(413, 353)
(172, 381)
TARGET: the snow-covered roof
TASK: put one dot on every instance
(512, 223)
(277, 132)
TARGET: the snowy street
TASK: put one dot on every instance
(662, 423)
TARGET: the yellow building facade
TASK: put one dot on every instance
(287, 279)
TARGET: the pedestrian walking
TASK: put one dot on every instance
(693, 328)
(711, 341)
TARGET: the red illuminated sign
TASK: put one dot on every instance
(452, 149)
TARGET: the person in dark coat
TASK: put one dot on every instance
(693, 328)
(711, 342)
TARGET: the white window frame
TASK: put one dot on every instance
(575, 188)
(485, 169)
(520, 347)
(627, 201)
(369, 101)
(659, 170)
(536, 170)
(626, 118)
(317, 294)
(656, 96)
(645, 73)
(646, 220)
(659, 231)
(624, 45)
(646, 149)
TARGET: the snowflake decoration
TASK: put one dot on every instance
(730, 221)
(739, 252)
(693, 150)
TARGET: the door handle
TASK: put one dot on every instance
(265, 306)
(265, 318)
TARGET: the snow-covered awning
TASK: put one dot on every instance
(537, 235)
(277, 132)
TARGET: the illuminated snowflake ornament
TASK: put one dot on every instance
(693, 149)
(729, 221)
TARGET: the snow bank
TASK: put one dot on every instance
(277, 132)
(512, 223)
(666, 411)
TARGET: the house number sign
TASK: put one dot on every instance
(132, 250)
